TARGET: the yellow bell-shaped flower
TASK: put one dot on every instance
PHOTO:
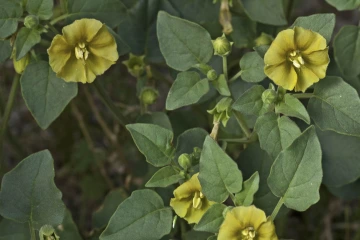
(247, 223)
(189, 202)
(297, 59)
(86, 49)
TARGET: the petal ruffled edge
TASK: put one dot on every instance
(82, 30)
(318, 62)
(59, 53)
(280, 47)
(308, 41)
(306, 78)
(104, 45)
(283, 75)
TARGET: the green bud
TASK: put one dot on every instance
(197, 152)
(269, 96)
(183, 173)
(222, 111)
(47, 232)
(135, 65)
(222, 46)
(31, 21)
(263, 39)
(226, 210)
(148, 95)
(203, 68)
(185, 161)
(21, 64)
(212, 75)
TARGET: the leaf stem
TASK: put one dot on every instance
(109, 104)
(52, 28)
(236, 76)
(277, 209)
(6, 116)
(225, 68)
(243, 125)
(237, 140)
(58, 19)
(303, 95)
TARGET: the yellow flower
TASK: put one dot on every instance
(189, 202)
(296, 59)
(247, 223)
(86, 49)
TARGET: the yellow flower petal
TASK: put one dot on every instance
(283, 75)
(81, 31)
(104, 45)
(230, 228)
(249, 216)
(96, 66)
(318, 62)
(74, 71)
(194, 215)
(181, 206)
(59, 53)
(306, 78)
(308, 41)
(186, 189)
(280, 47)
(267, 231)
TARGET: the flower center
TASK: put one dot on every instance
(197, 200)
(296, 59)
(248, 233)
(81, 52)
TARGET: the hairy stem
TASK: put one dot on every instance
(58, 19)
(225, 68)
(277, 209)
(236, 76)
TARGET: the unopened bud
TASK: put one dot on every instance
(269, 96)
(263, 39)
(149, 95)
(185, 161)
(31, 21)
(222, 46)
(212, 75)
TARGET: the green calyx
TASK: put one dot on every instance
(149, 95)
(135, 65)
(222, 46)
(185, 161)
(31, 21)
(222, 111)
(47, 232)
(269, 96)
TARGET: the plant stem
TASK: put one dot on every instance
(109, 104)
(32, 231)
(236, 76)
(225, 68)
(277, 209)
(6, 116)
(243, 125)
(52, 28)
(303, 95)
(237, 140)
(58, 19)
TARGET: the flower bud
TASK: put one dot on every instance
(203, 68)
(135, 65)
(269, 96)
(148, 95)
(47, 232)
(21, 64)
(263, 39)
(185, 161)
(212, 75)
(222, 111)
(197, 153)
(222, 46)
(31, 21)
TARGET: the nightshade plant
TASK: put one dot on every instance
(216, 119)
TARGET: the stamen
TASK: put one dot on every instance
(197, 203)
(296, 64)
(78, 53)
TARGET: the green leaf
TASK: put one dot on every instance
(219, 175)
(40, 8)
(275, 134)
(157, 118)
(110, 12)
(321, 23)
(25, 40)
(164, 177)
(183, 43)
(342, 5)
(141, 216)
(252, 67)
(10, 230)
(5, 50)
(221, 85)
(265, 11)
(334, 106)
(254, 159)
(187, 89)
(45, 95)
(122, 47)
(261, 50)
(292, 107)
(102, 216)
(68, 228)
(142, 17)
(296, 173)
(212, 219)
(154, 142)
(347, 49)
(347, 192)
(190, 139)
(28, 192)
(246, 196)
(244, 31)
(10, 13)
(250, 103)
(340, 158)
